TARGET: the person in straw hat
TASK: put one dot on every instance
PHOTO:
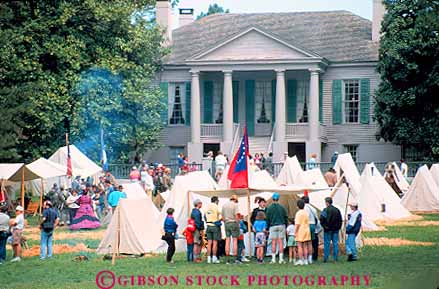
(17, 233)
(352, 229)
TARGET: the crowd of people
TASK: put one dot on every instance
(273, 232)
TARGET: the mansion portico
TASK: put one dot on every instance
(300, 82)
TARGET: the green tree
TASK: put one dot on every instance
(48, 49)
(213, 9)
(407, 100)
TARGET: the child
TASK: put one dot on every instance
(241, 246)
(170, 228)
(189, 234)
(292, 244)
(260, 228)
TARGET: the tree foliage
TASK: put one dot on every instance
(407, 101)
(62, 58)
(213, 9)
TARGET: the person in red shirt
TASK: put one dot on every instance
(134, 174)
(189, 234)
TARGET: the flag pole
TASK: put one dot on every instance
(41, 196)
(249, 225)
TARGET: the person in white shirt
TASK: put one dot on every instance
(404, 168)
(313, 246)
(220, 165)
(292, 244)
(17, 233)
(146, 179)
(72, 204)
(4, 232)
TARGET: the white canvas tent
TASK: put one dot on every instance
(423, 195)
(377, 200)
(81, 164)
(134, 229)
(400, 180)
(346, 164)
(434, 170)
(292, 173)
(134, 191)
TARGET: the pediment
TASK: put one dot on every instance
(253, 44)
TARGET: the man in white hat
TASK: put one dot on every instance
(17, 233)
(352, 229)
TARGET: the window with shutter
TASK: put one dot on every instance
(364, 101)
(250, 106)
(188, 103)
(208, 102)
(164, 102)
(291, 100)
(336, 101)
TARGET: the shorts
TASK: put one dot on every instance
(213, 233)
(312, 228)
(197, 237)
(277, 232)
(17, 236)
(260, 239)
(232, 230)
(291, 241)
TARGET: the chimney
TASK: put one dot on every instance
(377, 18)
(164, 17)
(186, 16)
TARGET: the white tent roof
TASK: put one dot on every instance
(292, 174)
(346, 164)
(434, 170)
(140, 230)
(8, 170)
(47, 169)
(400, 180)
(134, 191)
(289, 172)
(81, 164)
(375, 192)
(423, 194)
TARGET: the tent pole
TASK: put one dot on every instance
(346, 215)
(2, 190)
(41, 195)
(117, 239)
(337, 186)
(188, 204)
(22, 187)
(250, 251)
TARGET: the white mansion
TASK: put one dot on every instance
(301, 82)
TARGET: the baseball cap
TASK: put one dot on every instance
(19, 208)
(276, 196)
(353, 204)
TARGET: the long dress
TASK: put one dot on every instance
(85, 217)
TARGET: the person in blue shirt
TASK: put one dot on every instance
(260, 228)
(352, 230)
(170, 228)
(47, 225)
(115, 196)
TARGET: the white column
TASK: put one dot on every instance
(195, 107)
(314, 106)
(280, 106)
(314, 145)
(228, 108)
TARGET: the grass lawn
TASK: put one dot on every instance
(388, 267)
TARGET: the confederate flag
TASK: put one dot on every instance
(238, 171)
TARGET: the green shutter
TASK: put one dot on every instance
(164, 103)
(336, 101)
(208, 102)
(321, 101)
(188, 103)
(364, 100)
(250, 106)
(273, 101)
(235, 101)
(291, 100)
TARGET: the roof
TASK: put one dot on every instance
(339, 36)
